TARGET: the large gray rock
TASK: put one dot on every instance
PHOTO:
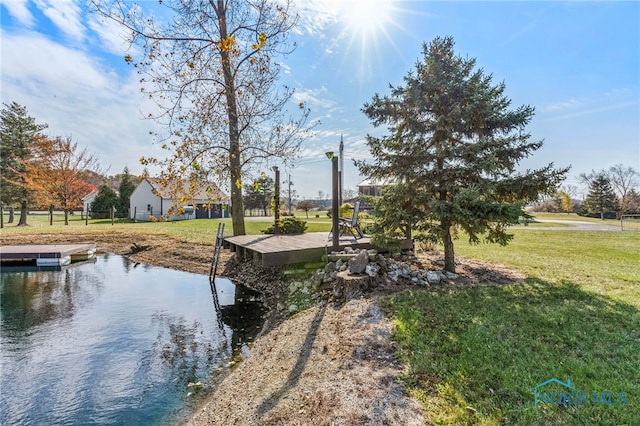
(451, 275)
(393, 276)
(329, 267)
(405, 271)
(358, 264)
(433, 277)
(372, 269)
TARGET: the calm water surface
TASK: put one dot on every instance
(113, 342)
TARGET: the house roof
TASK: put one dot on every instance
(90, 196)
(201, 191)
(375, 182)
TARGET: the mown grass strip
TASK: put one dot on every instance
(474, 354)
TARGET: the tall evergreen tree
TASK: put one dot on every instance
(18, 133)
(601, 199)
(106, 198)
(452, 151)
(127, 185)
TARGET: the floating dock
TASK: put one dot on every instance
(47, 254)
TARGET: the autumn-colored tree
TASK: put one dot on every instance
(55, 173)
(566, 203)
(212, 72)
(305, 205)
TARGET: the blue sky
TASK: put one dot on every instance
(577, 63)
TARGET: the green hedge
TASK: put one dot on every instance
(289, 225)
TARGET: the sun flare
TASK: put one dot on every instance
(364, 31)
(366, 17)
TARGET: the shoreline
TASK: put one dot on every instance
(326, 365)
(334, 363)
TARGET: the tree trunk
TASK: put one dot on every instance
(237, 210)
(12, 212)
(348, 287)
(449, 255)
(66, 216)
(23, 214)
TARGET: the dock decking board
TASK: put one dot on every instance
(274, 250)
(45, 251)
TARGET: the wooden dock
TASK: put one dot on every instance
(274, 250)
(47, 254)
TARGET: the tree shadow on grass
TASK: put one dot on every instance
(298, 368)
(486, 347)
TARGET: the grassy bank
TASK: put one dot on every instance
(198, 231)
(476, 353)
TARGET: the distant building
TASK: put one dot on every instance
(371, 187)
(153, 198)
(87, 200)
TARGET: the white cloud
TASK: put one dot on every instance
(595, 110)
(18, 9)
(32, 59)
(65, 14)
(315, 16)
(313, 97)
(80, 97)
(568, 104)
(111, 34)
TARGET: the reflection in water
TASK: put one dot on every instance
(45, 296)
(115, 342)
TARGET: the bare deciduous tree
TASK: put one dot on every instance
(212, 71)
(623, 179)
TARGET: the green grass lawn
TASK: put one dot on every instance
(476, 353)
(200, 231)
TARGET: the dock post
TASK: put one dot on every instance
(334, 210)
(216, 252)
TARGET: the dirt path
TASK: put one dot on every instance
(324, 366)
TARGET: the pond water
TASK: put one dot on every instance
(114, 342)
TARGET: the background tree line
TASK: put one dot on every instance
(610, 194)
(42, 171)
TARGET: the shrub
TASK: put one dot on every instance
(345, 210)
(289, 225)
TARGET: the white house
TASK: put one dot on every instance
(153, 198)
(87, 200)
